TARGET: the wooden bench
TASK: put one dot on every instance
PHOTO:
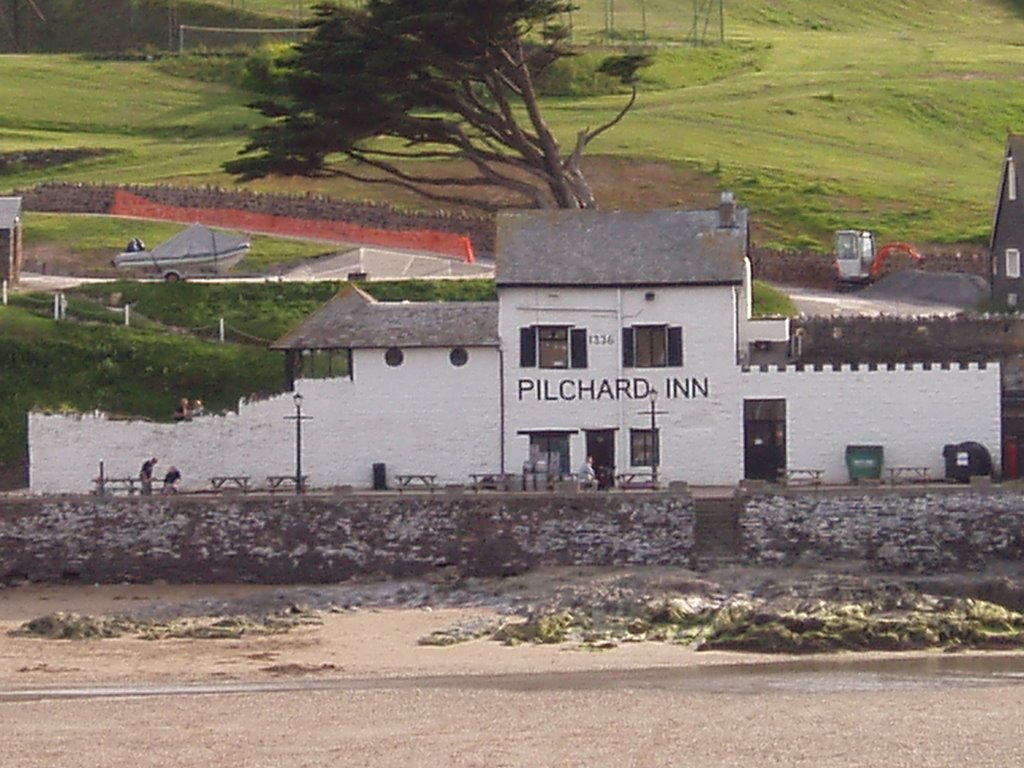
(636, 481)
(801, 476)
(493, 481)
(284, 482)
(241, 482)
(909, 475)
(405, 482)
(115, 485)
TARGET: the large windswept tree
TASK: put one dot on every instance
(380, 87)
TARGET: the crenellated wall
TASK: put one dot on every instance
(827, 340)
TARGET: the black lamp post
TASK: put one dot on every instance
(299, 418)
(656, 443)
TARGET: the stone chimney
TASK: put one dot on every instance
(727, 211)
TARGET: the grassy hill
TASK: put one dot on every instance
(823, 115)
(820, 115)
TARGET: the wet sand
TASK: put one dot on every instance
(359, 690)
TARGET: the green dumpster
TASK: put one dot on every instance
(864, 462)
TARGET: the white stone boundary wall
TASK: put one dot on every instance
(911, 411)
(424, 416)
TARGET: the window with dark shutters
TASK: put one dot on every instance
(528, 347)
(578, 348)
(652, 346)
(675, 346)
(627, 348)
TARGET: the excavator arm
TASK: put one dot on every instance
(886, 251)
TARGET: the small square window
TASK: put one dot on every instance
(553, 346)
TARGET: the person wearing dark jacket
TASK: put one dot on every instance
(171, 480)
(146, 475)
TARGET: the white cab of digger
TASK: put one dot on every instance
(855, 252)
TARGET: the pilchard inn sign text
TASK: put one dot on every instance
(635, 388)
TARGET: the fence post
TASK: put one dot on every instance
(127, 314)
(56, 306)
(222, 330)
(5, 292)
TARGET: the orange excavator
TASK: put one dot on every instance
(857, 262)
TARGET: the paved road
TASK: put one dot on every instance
(811, 301)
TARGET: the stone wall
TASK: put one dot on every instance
(59, 197)
(906, 530)
(957, 339)
(319, 539)
(326, 538)
(815, 269)
(808, 268)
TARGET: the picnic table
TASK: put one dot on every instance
(636, 481)
(416, 480)
(284, 482)
(113, 485)
(493, 481)
(241, 482)
(801, 476)
(909, 475)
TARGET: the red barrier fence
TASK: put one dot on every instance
(446, 244)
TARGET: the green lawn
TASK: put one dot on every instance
(820, 116)
(96, 239)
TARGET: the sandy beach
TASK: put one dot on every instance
(358, 689)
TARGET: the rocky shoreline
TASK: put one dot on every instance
(757, 610)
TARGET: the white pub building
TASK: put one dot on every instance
(623, 336)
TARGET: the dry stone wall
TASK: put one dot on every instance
(59, 197)
(955, 339)
(814, 269)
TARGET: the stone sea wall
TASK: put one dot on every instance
(919, 531)
(320, 539)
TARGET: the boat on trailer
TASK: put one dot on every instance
(196, 249)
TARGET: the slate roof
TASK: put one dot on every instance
(1014, 150)
(10, 209)
(619, 248)
(353, 319)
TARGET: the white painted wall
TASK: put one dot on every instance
(428, 416)
(689, 425)
(911, 412)
(423, 416)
